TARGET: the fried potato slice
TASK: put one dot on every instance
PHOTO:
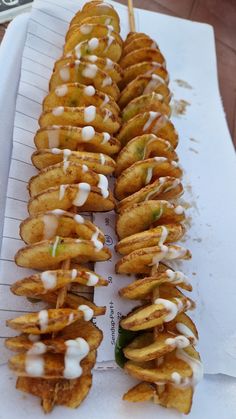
(59, 223)
(138, 43)
(77, 95)
(176, 398)
(76, 138)
(98, 162)
(45, 321)
(94, 20)
(142, 54)
(148, 123)
(149, 102)
(148, 371)
(106, 47)
(65, 196)
(134, 36)
(142, 288)
(141, 217)
(70, 393)
(142, 392)
(56, 344)
(145, 68)
(111, 68)
(140, 260)
(167, 233)
(164, 188)
(66, 173)
(97, 9)
(53, 364)
(144, 172)
(144, 85)
(50, 253)
(49, 281)
(152, 315)
(85, 73)
(100, 118)
(89, 31)
(145, 348)
(184, 325)
(144, 147)
(73, 301)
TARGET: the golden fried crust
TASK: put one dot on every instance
(143, 54)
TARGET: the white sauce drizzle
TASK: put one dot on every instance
(86, 29)
(177, 277)
(179, 210)
(102, 159)
(87, 311)
(149, 175)
(152, 84)
(109, 64)
(73, 274)
(194, 364)
(92, 58)
(64, 73)
(50, 224)
(178, 342)
(152, 117)
(43, 319)
(92, 279)
(61, 90)
(58, 111)
(97, 243)
(79, 219)
(107, 81)
(38, 348)
(89, 91)
(89, 113)
(106, 138)
(33, 338)
(103, 185)
(90, 71)
(170, 307)
(84, 168)
(34, 365)
(106, 100)
(87, 133)
(93, 43)
(82, 194)
(62, 191)
(49, 279)
(77, 350)
(186, 331)
(164, 235)
(110, 39)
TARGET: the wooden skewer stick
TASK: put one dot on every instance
(131, 16)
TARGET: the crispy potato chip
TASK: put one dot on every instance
(85, 73)
(98, 162)
(111, 68)
(76, 138)
(47, 225)
(89, 31)
(45, 321)
(184, 325)
(138, 43)
(164, 188)
(106, 47)
(97, 9)
(140, 260)
(142, 288)
(66, 173)
(134, 36)
(65, 196)
(148, 123)
(56, 344)
(50, 253)
(177, 398)
(100, 119)
(53, 364)
(149, 102)
(167, 233)
(144, 147)
(70, 393)
(142, 54)
(144, 172)
(74, 301)
(141, 217)
(142, 392)
(145, 68)
(148, 371)
(49, 281)
(94, 20)
(77, 95)
(144, 85)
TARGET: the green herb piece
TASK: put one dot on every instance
(124, 338)
(156, 214)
